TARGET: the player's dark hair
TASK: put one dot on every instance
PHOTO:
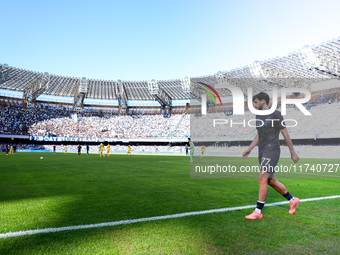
(260, 96)
(189, 139)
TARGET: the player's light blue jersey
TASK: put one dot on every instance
(192, 146)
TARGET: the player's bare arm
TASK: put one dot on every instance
(289, 143)
(251, 146)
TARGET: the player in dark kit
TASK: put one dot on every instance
(79, 149)
(268, 130)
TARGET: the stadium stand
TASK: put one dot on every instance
(147, 126)
(296, 65)
(41, 104)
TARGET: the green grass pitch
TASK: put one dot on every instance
(68, 190)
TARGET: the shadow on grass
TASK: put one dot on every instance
(115, 189)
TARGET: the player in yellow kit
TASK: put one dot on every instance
(202, 150)
(65, 149)
(11, 150)
(108, 149)
(101, 150)
(129, 150)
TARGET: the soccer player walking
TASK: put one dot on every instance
(202, 150)
(267, 138)
(108, 149)
(192, 149)
(79, 149)
(101, 150)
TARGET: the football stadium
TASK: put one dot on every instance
(92, 166)
(54, 200)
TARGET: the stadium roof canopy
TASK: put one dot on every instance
(309, 64)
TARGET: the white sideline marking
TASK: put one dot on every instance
(124, 222)
(327, 175)
(171, 162)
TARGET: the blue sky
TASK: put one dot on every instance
(144, 40)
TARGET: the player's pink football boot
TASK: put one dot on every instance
(293, 205)
(254, 216)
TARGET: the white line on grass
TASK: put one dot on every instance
(124, 222)
(172, 162)
(327, 175)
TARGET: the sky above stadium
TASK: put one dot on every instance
(144, 40)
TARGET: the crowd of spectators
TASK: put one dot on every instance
(47, 122)
(324, 121)
(18, 120)
(115, 126)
